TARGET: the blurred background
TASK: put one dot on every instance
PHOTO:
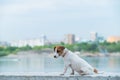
(29, 29)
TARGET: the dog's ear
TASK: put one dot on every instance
(54, 48)
(62, 47)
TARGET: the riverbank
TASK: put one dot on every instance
(50, 53)
(99, 54)
(56, 76)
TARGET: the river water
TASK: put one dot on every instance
(46, 63)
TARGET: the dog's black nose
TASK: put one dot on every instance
(55, 56)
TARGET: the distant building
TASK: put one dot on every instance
(43, 39)
(31, 42)
(70, 39)
(93, 36)
(112, 39)
(78, 39)
(3, 43)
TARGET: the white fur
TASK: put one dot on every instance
(76, 63)
(55, 53)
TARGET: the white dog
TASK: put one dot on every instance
(73, 61)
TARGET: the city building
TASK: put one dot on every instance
(31, 42)
(69, 39)
(3, 43)
(112, 39)
(78, 39)
(93, 36)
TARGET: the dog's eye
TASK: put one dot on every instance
(58, 51)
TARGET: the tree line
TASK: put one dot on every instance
(91, 47)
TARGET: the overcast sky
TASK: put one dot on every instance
(27, 19)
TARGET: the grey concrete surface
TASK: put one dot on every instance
(56, 76)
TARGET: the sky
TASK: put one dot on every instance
(27, 19)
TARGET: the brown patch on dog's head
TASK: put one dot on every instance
(54, 48)
(59, 49)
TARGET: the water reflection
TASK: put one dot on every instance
(109, 64)
(46, 63)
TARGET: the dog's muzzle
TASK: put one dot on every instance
(55, 56)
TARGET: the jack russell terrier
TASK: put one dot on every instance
(73, 61)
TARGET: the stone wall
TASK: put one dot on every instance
(58, 77)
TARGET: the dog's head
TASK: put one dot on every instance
(58, 51)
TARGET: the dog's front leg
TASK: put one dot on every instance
(72, 73)
(65, 69)
(72, 70)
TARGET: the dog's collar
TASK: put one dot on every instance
(65, 52)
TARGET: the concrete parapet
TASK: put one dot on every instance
(44, 76)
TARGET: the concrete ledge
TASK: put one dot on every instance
(46, 76)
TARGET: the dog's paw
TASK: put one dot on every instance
(62, 74)
(71, 73)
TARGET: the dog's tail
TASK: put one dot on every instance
(96, 71)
